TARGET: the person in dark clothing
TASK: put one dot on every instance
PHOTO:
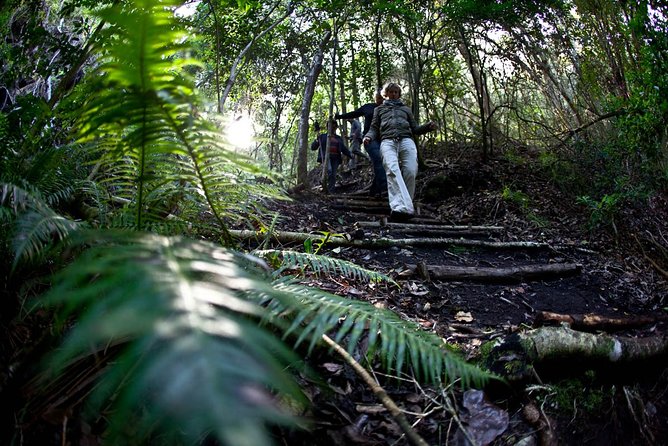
(379, 184)
(336, 147)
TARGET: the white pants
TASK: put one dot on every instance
(401, 166)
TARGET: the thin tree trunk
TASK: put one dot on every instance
(217, 68)
(330, 129)
(309, 90)
(480, 89)
(377, 54)
(234, 72)
(353, 71)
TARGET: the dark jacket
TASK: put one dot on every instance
(337, 147)
(365, 111)
(393, 119)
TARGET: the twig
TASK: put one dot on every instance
(380, 393)
(649, 259)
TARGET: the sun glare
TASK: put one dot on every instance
(239, 132)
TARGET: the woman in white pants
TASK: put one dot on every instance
(394, 124)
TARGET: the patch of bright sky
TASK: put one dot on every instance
(187, 9)
(239, 132)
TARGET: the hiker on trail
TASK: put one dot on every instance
(355, 139)
(379, 184)
(336, 147)
(393, 123)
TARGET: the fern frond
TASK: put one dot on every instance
(321, 264)
(195, 359)
(145, 121)
(36, 225)
(395, 341)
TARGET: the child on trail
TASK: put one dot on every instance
(336, 147)
(393, 123)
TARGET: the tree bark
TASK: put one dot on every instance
(554, 342)
(309, 90)
(288, 237)
(513, 358)
(598, 322)
(488, 274)
(463, 228)
(234, 72)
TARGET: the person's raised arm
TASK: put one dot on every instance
(374, 129)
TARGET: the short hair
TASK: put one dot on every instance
(333, 124)
(391, 86)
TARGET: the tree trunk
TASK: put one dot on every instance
(482, 95)
(376, 36)
(309, 90)
(234, 71)
(330, 130)
(353, 71)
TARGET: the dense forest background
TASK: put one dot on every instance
(135, 134)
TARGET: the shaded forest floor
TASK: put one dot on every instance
(566, 401)
(569, 400)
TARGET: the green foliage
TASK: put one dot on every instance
(396, 342)
(603, 211)
(319, 264)
(192, 360)
(575, 395)
(523, 202)
(503, 12)
(154, 147)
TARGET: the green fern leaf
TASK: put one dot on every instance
(314, 313)
(194, 358)
(321, 264)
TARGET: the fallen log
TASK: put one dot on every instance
(514, 357)
(597, 322)
(361, 202)
(378, 209)
(378, 243)
(439, 225)
(489, 274)
(439, 233)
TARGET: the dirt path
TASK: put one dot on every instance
(451, 283)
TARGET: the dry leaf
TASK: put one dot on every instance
(463, 316)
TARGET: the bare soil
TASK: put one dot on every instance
(577, 401)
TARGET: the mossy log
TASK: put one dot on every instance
(513, 357)
(489, 274)
(598, 322)
(555, 342)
